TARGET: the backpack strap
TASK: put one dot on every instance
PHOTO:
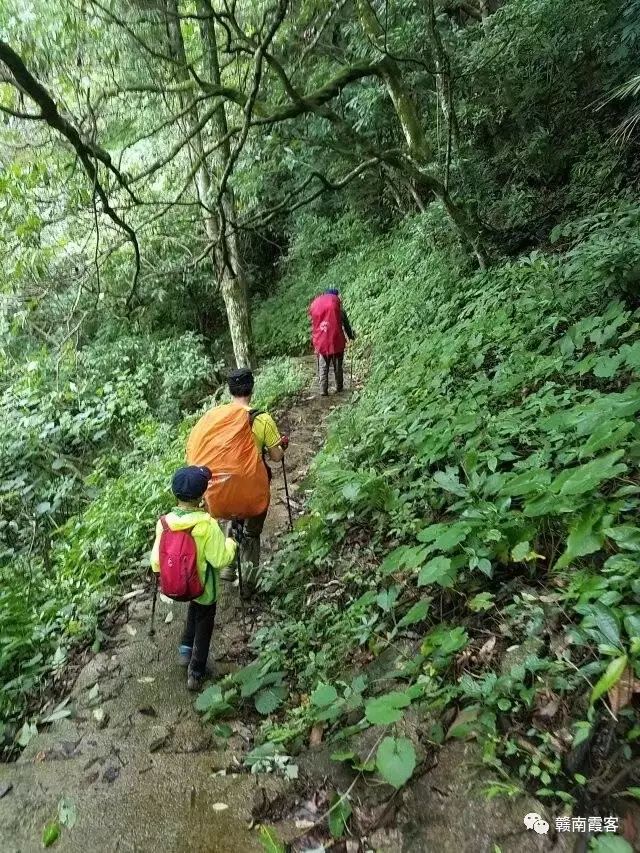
(163, 522)
(253, 414)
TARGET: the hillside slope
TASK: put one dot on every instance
(474, 513)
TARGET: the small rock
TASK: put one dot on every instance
(159, 737)
(91, 778)
(386, 840)
(5, 787)
(111, 774)
(147, 711)
(101, 717)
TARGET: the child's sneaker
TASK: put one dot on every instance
(184, 655)
(194, 682)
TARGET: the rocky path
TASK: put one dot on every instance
(139, 768)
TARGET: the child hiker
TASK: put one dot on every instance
(188, 551)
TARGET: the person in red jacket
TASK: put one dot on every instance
(330, 328)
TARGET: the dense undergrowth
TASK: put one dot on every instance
(475, 507)
(94, 488)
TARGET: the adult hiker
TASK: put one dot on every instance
(330, 329)
(188, 550)
(234, 441)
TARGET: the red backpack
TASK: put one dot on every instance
(179, 578)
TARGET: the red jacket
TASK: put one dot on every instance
(326, 324)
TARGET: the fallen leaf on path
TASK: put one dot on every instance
(304, 824)
(485, 650)
(67, 812)
(25, 734)
(101, 717)
(219, 807)
(315, 737)
(146, 679)
(622, 693)
(169, 617)
(50, 833)
(133, 594)
(59, 712)
(549, 707)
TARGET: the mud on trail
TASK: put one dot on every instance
(144, 773)
(142, 770)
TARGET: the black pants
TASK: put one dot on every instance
(197, 635)
(324, 363)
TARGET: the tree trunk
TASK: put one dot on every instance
(420, 155)
(225, 255)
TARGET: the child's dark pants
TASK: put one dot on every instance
(197, 635)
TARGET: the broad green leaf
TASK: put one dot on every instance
(386, 709)
(444, 537)
(324, 695)
(609, 844)
(50, 833)
(345, 755)
(481, 601)
(520, 552)
(351, 492)
(611, 433)
(67, 812)
(269, 699)
(527, 483)
(396, 760)
(587, 477)
(438, 570)
(626, 536)
(581, 540)
(270, 841)
(209, 697)
(607, 623)
(339, 814)
(387, 598)
(607, 366)
(612, 675)
(25, 734)
(450, 482)
(416, 613)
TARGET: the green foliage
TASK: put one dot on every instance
(51, 602)
(490, 463)
(339, 813)
(396, 760)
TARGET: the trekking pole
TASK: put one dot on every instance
(286, 491)
(152, 629)
(241, 592)
(237, 531)
(351, 368)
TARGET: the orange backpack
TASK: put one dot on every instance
(223, 441)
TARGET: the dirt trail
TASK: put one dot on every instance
(143, 771)
(145, 774)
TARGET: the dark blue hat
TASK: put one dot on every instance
(190, 483)
(333, 291)
(240, 382)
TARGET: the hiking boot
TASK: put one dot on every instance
(184, 655)
(229, 574)
(194, 682)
